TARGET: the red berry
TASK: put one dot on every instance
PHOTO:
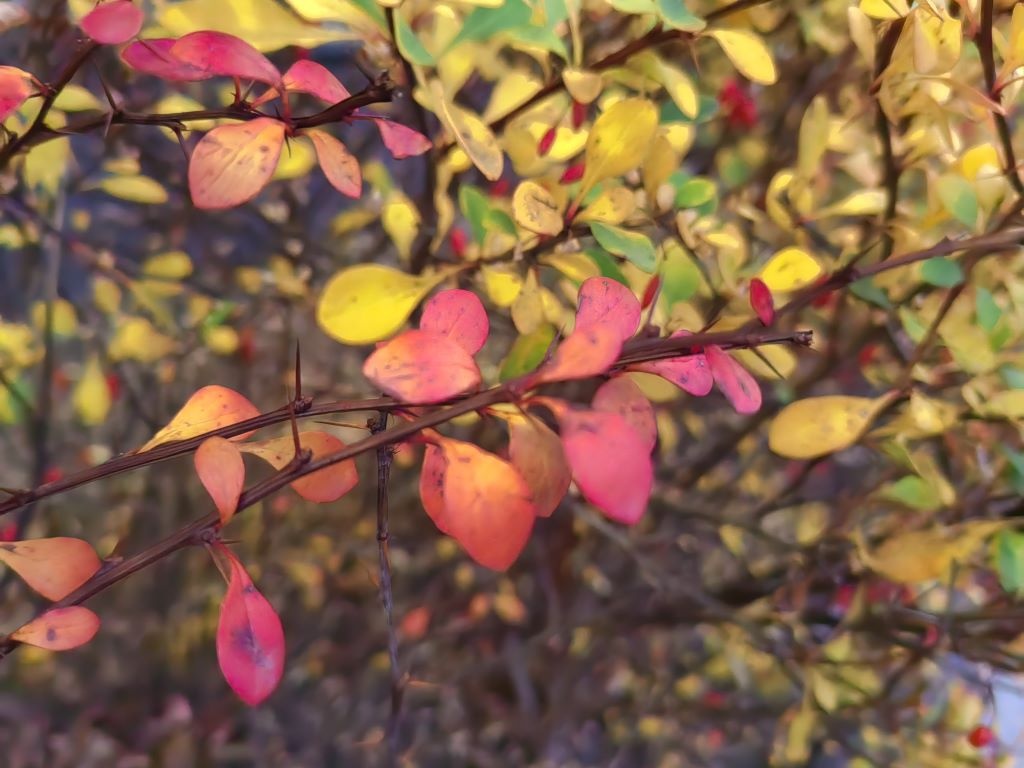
(499, 188)
(546, 141)
(114, 385)
(572, 173)
(867, 354)
(980, 736)
(52, 475)
(579, 114)
(737, 105)
(246, 345)
(9, 532)
(459, 241)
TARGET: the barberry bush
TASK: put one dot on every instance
(510, 382)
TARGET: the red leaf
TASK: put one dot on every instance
(211, 407)
(222, 472)
(734, 381)
(112, 23)
(585, 352)
(460, 316)
(219, 53)
(52, 567)
(432, 486)
(690, 372)
(401, 140)
(422, 367)
(621, 395)
(15, 87)
(154, 57)
(487, 506)
(537, 453)
(250, 639)
(233, 163)
(307, 76)
(610, 462)
(322, 486)
(606, 302)
(59, 629)
(761, 301)
(338, 164)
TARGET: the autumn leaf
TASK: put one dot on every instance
(232, 163)
(153, 56)
(250, 638)
(818, 426)
(91, 397)
(15, 87)
(338, 164)
(59, 629)
(739, 387)
(761, 301)
(324, 485)
(535, 209)
(53, 567)
(112, 23)
(622, 396)
(748, 53)
(422, 367)
(400, 140)
(211, 407)
(690, 373)
(619, 140)
(537, 453)
(606, 302)
(586, 352)
(460, 316)
(221, 470)
(219, 53)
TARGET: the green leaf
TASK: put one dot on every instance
(866, 290)
(218, 315)
(474, 205)
(914, 492)
(915, 329)
(484, 23)
(635, 247)
(634, 6)
(497, 220)
(527, 352)
(409, 45)
(958, 197)
(544, 38)
(675, 14)
(942, 272)
(1012, 377)
(707, 109)
(607, 265)
(986, 309)
(680, 277)
(1009, 546)
(1015, 467)
(696, 192)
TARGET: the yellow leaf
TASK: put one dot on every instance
(297, 159)
(818, 426)
(137, 339)
(535, 210)
(582, 85)
(92, 396)
(471, 133)
(679, 86)
(165, 272)
(137, 189)
(936, 42)
(401, 220)
(576, 266)
(45, 164)
(370, 302)
(885, 10)
(75, 98)
(106, 295)
(814, 130)
(925, 555)
(789, 270)
(612, 206)
(866, 203)
(221, 340)
(619, 140)
(748, 53)
(528, 308)
(64, 318)
(502, 284)
(1008, 404)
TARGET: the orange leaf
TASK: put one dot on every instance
(586, 352)
(338, 164)
(210, 408)
(487, 507)
(460, 316)
(59, 629)
(610, 462)
(324, 485)
(621, 395)
(232, 163)
(112, 23)
(52, 567)
(222, 54)
(222, 472)
(14, 89)
(537, 453)
(432, 486)
(734, 380)
(603, 301)
(422, 367)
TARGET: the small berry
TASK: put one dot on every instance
(114, 385)
(980, 736)
(52, 475)
(499, 188)
(458, 240)
(546, 141)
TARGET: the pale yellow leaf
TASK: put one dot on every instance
(91, 397)
(748, 52)
(818, 426)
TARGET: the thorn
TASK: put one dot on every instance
(106, 89)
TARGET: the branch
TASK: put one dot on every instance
(995, 93)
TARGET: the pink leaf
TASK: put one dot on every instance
(154, 57)
(621, 395)
(250, 639)
(734, 381)
(15, 87)
(401, 140)
(422, 367)
(586, 352)
(460, 316)
(338, 164)
(232, 163)
(307, 76)
(59, 629)
(690, 372)
(606, 302)
(113, 23)
(610, 462)
(222, 472)
(761, 301)
(222, 54)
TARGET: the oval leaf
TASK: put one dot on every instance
(52, 567)
(610, 462)
(621, 395)
(471, 133)
(210, 408)
(422, 367)
(748, 53)
(250, 639)
(222, 472)
(585, 352)
(113, 23)
(219, 53)
(322, 486)
(619, 140)
(535, 209)
(818, 426)
(460, 316)
(690, 372)
(307, 76)
(338, 164)
(735, 381)
(761, 301)
(537, 453)
(232, 163)
(59, 629)
(400, 140)
(15, 87)
(606, 302)
(154, 57)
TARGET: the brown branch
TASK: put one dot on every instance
(891, 168)
(985, 49)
